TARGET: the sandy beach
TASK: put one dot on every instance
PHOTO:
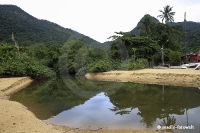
(175, 77)
(16, 118)
(9, 86)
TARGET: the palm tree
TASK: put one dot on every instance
(167, 14)
(146, 25)
(134, 56)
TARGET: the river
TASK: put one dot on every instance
(80, 103)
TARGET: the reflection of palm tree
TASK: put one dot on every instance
(163, 89)
(167, 14)
(168, 122)
(147, 119)
(148, 100)
(186, 108)
(120, 111)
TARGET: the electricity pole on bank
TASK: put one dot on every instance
(163, 63)
(185, 37)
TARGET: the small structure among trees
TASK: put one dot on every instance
(194, 57)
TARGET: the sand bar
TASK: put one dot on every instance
(174, 77)
(9, 86)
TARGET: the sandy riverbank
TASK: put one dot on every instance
(16, 118)
(174, 77)
(9, 86)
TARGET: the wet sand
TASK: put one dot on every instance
(175, 77)
(16, 118)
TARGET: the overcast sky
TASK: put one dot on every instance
(99, 19)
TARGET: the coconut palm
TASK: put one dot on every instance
(146, 25)
(167, 14)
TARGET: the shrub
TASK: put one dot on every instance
(100, 66)
(130, 64)
(1, 70)
(23, 65)
(82, 71)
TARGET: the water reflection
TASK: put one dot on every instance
(132, 106)
(48, 98)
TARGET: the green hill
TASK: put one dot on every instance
(192, 41)
(30, 30)
(136, 30)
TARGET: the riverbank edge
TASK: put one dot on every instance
(15, 85)
(172, 77)
(15, 117)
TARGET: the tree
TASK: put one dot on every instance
(19, 63)
(147, 25)
(40, 52)
(74, 55)
(167, 14)
(134, 56)
(15, 43)
(121, 48)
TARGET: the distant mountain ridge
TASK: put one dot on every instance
(29, 30)
(192, 40)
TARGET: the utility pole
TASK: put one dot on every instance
(185, 37)
(163, 53)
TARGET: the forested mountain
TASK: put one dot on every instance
(192, 41)
(29, 30)
(136, 30)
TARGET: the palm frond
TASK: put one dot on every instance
(167, 14)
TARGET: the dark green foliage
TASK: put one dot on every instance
(170, 57)
(74, 55)
(23, 65)
(148, 43)
(107, 65)
(121, 48)
(191, 40)
(40, 52)
(77, 58)
(138, 29)
(53, 55)
(100, 66)
(131, 64)
(174, 34)
(188, 28)
(118, 50)
(147, 24)
(14, 63)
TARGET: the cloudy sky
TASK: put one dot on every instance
(99, 19)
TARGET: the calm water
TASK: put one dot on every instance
(80, 103)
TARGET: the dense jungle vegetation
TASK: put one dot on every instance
(42, 49)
